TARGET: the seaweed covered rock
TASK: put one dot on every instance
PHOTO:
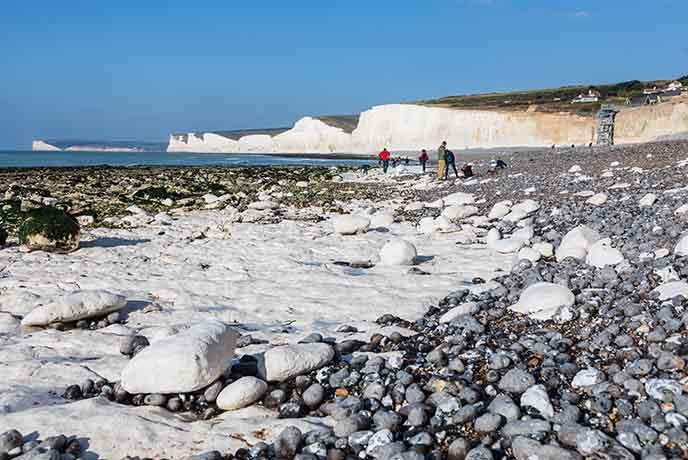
(49, 229)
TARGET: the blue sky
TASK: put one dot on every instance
(131, 69)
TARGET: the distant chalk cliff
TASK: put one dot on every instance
(41, 146)
(407, 127)
(96, 146)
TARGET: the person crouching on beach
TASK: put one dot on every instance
(423, 159)
(384, 159)
(450, 160)
(441, 158)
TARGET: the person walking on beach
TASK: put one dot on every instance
(384, 159)
(441, 158)
(423, 159)
(449, 160)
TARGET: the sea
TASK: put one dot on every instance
(26, 159)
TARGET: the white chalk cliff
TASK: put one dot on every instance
(402, 127)
(41, 146)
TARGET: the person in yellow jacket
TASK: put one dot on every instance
(441, 160)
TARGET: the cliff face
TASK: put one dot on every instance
(412, 127)
(402, 127)
(643, 124)
(41, 146)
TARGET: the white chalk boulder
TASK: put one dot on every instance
(522, 210)
(242, 393)
(529, 254)
(602, 254)
(507, 245)
(263, 205)
(500, 210)
(587, 378)
(525, 234)
(467, 308)
(185, 362)
(537, 397)
(575, 169)
(672, 289)
(281, 363)
(414, 206)
(681, 248)
(398, 252)
(350, 224)
(457, 212)
(543, 301)
(429, 225)
(647, 200)
(545, 249)
(75, 306)
(598, 199)
(577, 242)
(382, 219)
(683, 209)
(459, 198)
(493, 235)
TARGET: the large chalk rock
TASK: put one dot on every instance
(530, 254)
(522, 210)
(398, 252)
(350, 224)
(647, 201)
(73, 307)
(263, 205)
(493, 235)
(525, 234)
(543, 301)
(467, 308)
(544, 248)
(281, 363)
(382, 219)
(598, 199)
(241, 393)
(681, 248)
(50, 229)
(602, 254)
(429, 225)
(672, 289)
(184, 362)
(577, 242)
(500, 210)
(459, 198)
(507, 245)
(457, 212)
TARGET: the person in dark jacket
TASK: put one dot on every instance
(423, 159)
(450, 161)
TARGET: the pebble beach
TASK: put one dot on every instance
(325, 313)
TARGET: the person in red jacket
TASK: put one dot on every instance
(423, 159)
(384, 157)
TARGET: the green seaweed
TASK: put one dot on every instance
(54, 224)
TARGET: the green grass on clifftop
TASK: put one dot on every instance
(545, 100)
